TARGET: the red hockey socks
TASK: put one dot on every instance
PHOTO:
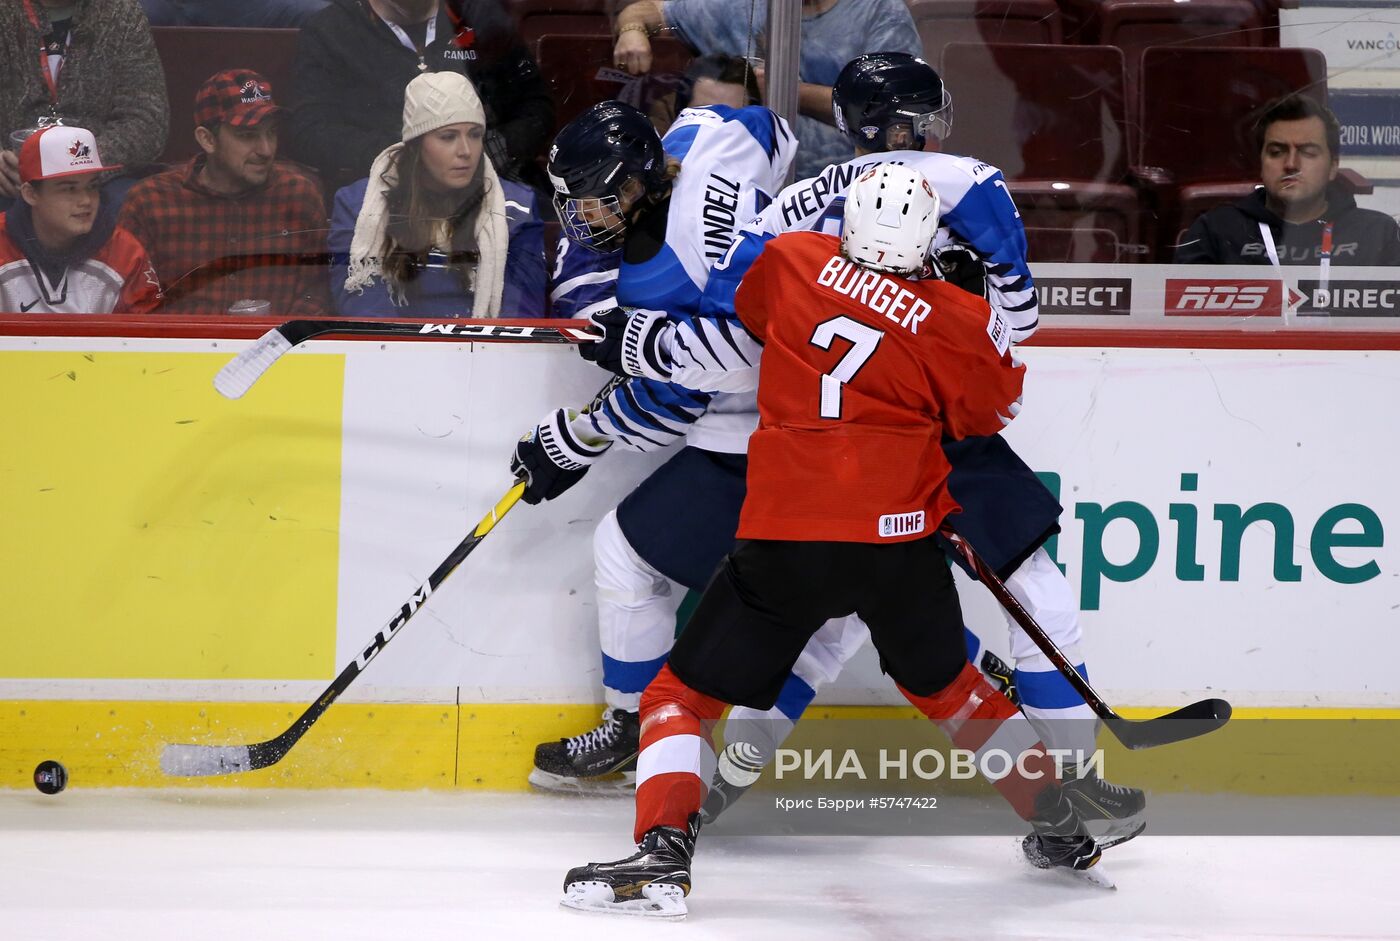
(677, 756)
(1008, 750)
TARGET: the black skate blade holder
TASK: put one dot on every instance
(1197, 719)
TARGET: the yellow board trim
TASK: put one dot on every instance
(490, 746)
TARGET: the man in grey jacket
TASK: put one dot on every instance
(90, 63)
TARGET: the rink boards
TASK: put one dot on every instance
(179, 567)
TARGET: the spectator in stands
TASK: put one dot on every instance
(1301, 214)
(61, 250)
(265, 14)
(234, 223)
(356, 57)
(833, 33)
(90, 63)
(433, 231)
(715, 79)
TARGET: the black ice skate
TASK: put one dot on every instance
(1061, 841)
(738, 767)
(600, 760)
(1005, 678)
(654, 881)
(1120, 807)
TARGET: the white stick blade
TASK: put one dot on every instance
(239, 374)
(193, 761)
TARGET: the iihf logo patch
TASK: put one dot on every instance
(901, 524)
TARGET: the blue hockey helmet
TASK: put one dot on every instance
(593, 164)
(884, 92)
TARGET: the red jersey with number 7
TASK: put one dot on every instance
(863, 375)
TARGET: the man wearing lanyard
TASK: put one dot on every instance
(356, 57)
(1300, 215)
(88, 63)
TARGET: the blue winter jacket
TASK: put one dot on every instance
(437, 292)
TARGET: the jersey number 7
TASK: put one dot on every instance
(863, 339)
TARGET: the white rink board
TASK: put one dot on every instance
(428, 429)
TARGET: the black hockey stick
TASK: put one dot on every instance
(1186, 722)
(204, 760)
(201, 760)
(239, 374)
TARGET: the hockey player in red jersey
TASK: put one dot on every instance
(864, 372)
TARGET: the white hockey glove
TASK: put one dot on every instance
(633, 343)
(644, 345)
(552, 456)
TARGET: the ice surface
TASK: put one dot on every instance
(208, 865)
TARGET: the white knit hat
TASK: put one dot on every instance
(437, 99)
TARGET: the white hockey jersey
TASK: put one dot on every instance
(732, 161)
(712, 351)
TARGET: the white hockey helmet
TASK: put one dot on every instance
(891, 219)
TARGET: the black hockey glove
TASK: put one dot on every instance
(961, 268)
(607, 352)
(551, 458)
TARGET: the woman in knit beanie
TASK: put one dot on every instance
(433, 232)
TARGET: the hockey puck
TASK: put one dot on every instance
(50, 777)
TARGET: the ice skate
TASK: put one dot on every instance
(1001, 674)
(739, 766)
(1061, 841)
(601, 760)
(653, 882)
(1098, 801)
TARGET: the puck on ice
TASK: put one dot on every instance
(50, 777)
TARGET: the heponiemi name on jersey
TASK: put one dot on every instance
(1066, 296)
(1350, 298)
(811, 199)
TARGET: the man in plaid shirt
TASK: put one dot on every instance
(234, 224)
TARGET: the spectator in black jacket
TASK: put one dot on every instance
(356, 57)
(1286, 220)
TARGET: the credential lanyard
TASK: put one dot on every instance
(50, 72)
(1324, 264)
(408, 43)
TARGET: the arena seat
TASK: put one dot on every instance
(1198, 135)
(190, 54)
(941, 22)
(1079, 244)
(535, 18)
(579, 72)
(1064, 145)
(1135, 25)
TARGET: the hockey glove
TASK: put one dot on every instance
(632, 343)
(552, 457)
(607, 352)
(961, 268)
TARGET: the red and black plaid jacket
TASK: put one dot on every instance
(212, 250)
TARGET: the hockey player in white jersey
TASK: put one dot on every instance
(671, 209)
(884, 101)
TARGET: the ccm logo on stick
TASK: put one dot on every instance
(1191, 298)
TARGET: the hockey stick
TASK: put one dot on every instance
(204, 760)
(1186, 722)
(201, 760)
(239, 374)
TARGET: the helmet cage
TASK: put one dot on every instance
(608, 228)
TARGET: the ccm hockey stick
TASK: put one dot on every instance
(204, 760)
(1186, 722)
(239, 374)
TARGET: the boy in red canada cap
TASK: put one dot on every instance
(61, 250)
